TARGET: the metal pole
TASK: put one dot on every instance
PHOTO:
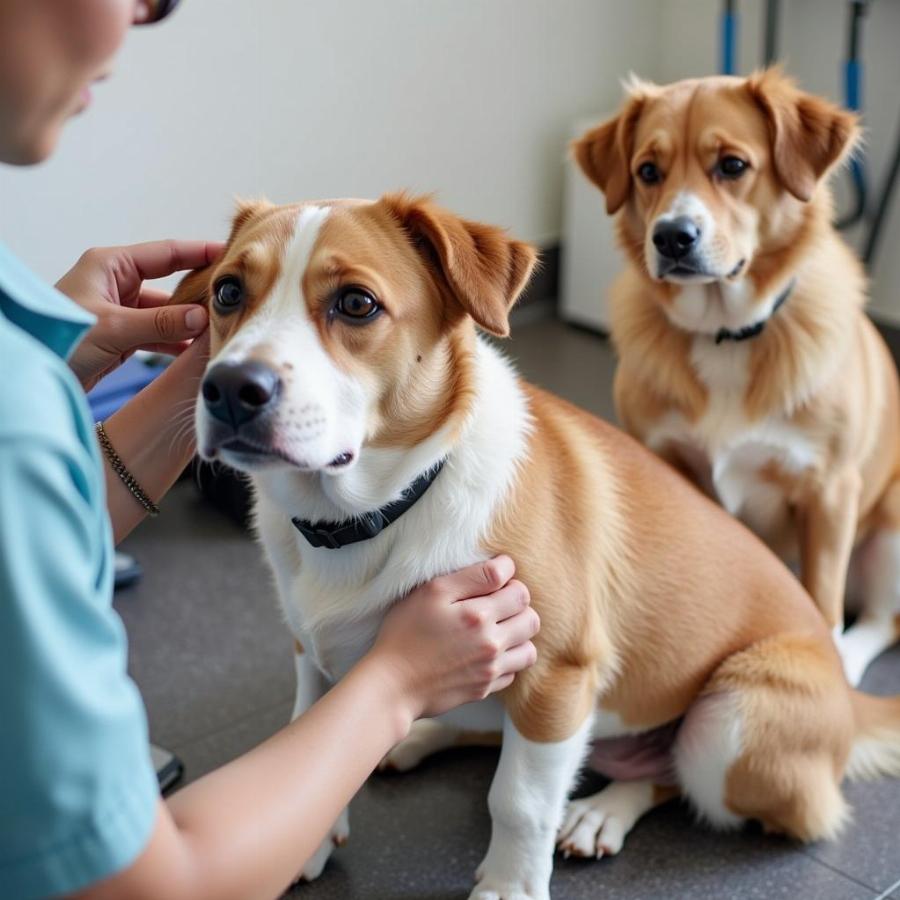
(881, 211)
(770, 53)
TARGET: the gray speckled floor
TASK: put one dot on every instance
(214, 665)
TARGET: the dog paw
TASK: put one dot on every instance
(404, 757)
(589, 830)
(425, 737)
(859, 646)
(854, 669)
(337, 837)
(495, 890)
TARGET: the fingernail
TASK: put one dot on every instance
(195, 319)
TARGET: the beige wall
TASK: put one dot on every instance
(473, 99)
(316, 98)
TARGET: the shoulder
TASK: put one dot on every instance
(39, 394)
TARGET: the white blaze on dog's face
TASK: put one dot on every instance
(300, 407)
(712, 174)
(698, 151)
(343, 324)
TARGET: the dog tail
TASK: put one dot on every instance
(876, 747)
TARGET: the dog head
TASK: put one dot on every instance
(713, 174)
(338, 325)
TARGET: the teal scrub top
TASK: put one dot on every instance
(78, 793)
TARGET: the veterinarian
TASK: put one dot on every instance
(79, 806)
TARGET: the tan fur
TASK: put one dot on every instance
(651, 597)
(819, 366)
(666, 599)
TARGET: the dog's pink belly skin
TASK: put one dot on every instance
(646, 755)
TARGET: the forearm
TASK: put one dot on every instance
(245, 830)
(153, 434)
(285, 795)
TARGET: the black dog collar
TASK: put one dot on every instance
(752, 331)
(334, 535)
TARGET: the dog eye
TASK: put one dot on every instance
(356, 303)
(229, 293)
(649, 173)
(731, 167)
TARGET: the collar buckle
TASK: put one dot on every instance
(317, 535)
(372, 523)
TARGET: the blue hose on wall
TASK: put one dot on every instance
(853, 74)
(853, 99)
(729, 38)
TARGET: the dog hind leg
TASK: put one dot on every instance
(768, 740)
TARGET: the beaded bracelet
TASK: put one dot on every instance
(119, 468)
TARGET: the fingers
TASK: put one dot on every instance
(477, 580)
(131, 328)
(517, 658)
(519, 628)
(199, 347)
(156, 259)
(150, 296)
(497, 606)
(504, 681)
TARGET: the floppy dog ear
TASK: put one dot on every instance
(604, 153)
(484, 269)
(195, 286)
(809, 135)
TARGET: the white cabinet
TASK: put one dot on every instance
(590, 258)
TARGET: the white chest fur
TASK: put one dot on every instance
(334, 600)
(728, 451)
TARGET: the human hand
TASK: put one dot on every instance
(109, 283)
(458, 638)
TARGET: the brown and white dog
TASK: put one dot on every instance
(345, 368)
(746, 359)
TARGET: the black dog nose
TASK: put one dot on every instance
(676, 238)
(235, 393)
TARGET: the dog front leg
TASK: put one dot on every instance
(526, 801)
(828, 523)
(311, 685)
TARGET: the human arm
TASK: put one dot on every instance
(152, 434)
(246, 829)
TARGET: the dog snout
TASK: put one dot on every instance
(676, 238)
(236, 393)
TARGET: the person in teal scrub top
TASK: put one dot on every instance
(80, 812)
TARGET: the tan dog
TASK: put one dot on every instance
(745, 357)
(347, 377)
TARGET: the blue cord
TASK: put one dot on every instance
(852, 84)
(729, 43)
(853, 99)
